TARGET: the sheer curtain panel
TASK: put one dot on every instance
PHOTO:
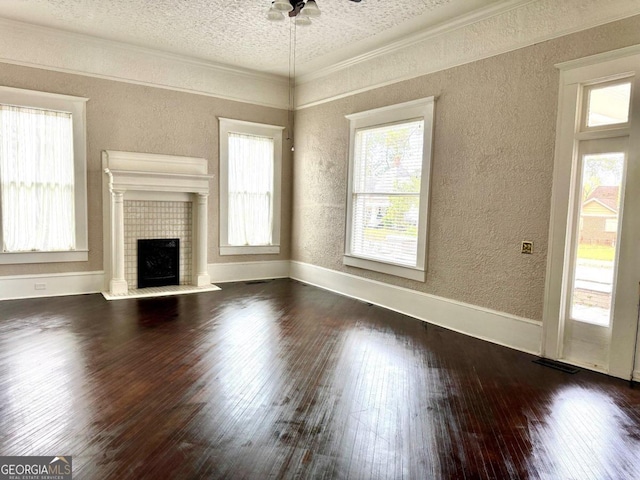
(250, 207)
(36, 179)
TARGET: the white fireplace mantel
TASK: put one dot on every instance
(133, 175)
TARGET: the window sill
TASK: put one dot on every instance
(249, 250)
(397, 270)
(15, 258)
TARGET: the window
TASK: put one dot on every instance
(250, 169)
(389, 167)
(611, 225)
(607, 104)
(42, 177)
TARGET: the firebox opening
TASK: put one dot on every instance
(158, 262)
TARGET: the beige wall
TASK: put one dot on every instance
(122, 116)
(492, 172)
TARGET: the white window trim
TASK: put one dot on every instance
(77, 107)
(227, 126)
(416, 109)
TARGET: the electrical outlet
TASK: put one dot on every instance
(40, 286)
(527, 247)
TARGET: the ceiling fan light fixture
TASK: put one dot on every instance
(311, 9)
(275, 15)
(303, 20)
(282, 5)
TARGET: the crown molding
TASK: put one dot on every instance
(412, 39)
(48, 48)
(502, 28)
(599, 58)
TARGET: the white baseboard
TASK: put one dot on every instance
(497, 327)
(50, 285)
(242, 271)
(77, 283)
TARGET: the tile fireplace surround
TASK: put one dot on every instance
(143, 177)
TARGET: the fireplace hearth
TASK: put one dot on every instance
(158, 262)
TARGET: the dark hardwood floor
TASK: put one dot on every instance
(282, 380)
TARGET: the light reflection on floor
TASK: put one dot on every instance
(587, 425)
(44, 372)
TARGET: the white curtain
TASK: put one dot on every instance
(250, 189)
(36, 179)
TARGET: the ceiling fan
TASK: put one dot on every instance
(295, 8)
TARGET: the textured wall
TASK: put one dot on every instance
(492, 172)
(122, 116)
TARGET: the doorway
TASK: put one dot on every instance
(593, 274)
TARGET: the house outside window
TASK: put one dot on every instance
(389, 168)
(599, 216)
(42, 177)
(250, 171)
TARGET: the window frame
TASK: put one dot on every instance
(421, 109)
(77, 107)
(275, 132)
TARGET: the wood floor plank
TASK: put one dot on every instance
(286, 381)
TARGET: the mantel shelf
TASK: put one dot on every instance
(158, 181)
(135, 173)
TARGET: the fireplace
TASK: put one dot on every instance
(158, 262)
(165, 182)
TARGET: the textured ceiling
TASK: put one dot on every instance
(237, 33)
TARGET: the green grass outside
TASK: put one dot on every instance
(596, 252)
